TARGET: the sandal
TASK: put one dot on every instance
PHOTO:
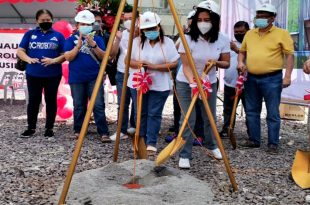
(105, 139)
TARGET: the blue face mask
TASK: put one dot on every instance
(151, 35)
(261, 23)
(84, 30)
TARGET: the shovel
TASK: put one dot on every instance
(178, 142)
(301, 165)
(230, 130)
(139, 144)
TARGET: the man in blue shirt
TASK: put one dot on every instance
(84, 51)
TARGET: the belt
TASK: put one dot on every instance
(266, 75)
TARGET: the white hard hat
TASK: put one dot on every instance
(267, 7)
(148, 20)
(85, 16)
(210, 5)
(191, 14)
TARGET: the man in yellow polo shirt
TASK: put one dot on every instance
(265, 49)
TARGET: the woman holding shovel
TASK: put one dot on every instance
(153, 55)
(207, 45)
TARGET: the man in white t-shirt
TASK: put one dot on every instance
(119, 49)
(231, 75)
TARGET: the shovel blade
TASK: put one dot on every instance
(232, 138)
(164, 155)
(300, 169)
(179, 143)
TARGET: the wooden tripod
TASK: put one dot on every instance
(79, 144)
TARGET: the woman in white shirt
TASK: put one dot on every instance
(206, 44)
(156, 54)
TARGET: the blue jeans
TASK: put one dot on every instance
(81, 93)
(268, 88)
(184, 93)
(152, 107)
(119, 86)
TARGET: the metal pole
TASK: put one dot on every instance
(203, 96)
(124, 88)
(91, 106)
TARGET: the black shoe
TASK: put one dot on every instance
(27, 133)
(249, 144)
(49, 133)
(273, 149)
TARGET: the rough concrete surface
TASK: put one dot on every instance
(161, 186)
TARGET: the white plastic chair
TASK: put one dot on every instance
(5, 84)
(20, 84)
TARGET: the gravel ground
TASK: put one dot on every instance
(32, 169)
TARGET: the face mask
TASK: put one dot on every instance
(84, 30)
(204, 27)
(239, 37)
(261, 23)
(151, 35)
(127, 24)
(45, 26)
(96, 26)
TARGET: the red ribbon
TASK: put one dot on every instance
(240, 81)
(307, 96)
(141, 81)
(206, 86)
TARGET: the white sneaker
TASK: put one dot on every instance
(217, 153)
(151, 148)
(184, 163)
(122, 137)
(131, 130)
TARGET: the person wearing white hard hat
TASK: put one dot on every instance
(265, 49)
(206, 44)
(84, 51)
(157, 54)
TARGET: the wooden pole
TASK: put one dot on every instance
(230, 131)
(203, 96)
(90, 107)
(138, 146)
(124, 88)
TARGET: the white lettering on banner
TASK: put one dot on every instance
(8, 46)
(42, 45)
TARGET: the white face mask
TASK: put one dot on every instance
(204, 27)
(127, 24)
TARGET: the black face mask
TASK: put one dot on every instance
(45, 26)
(239, 37)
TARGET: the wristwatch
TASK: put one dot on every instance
(95, 46)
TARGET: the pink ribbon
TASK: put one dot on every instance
(206, 86)
(141, 81)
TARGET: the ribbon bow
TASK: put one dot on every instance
(240, 81)
(141, 81)
(307, 96)
(206, 86)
